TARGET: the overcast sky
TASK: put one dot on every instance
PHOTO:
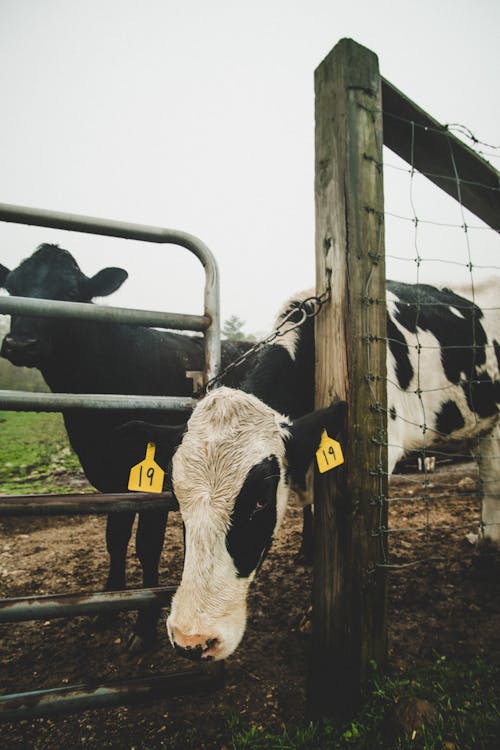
(199, 116)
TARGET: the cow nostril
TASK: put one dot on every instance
(20, 350)
(190, 652)
(21, 341)
(198, 651)
(20, 344)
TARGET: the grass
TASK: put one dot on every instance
(463, 697)
(33, 448)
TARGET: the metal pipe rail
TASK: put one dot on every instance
(46, 402)
(49, 308)
(53, 702)
(20, 609)
(19, 506)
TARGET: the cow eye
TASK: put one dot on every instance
(260, 505)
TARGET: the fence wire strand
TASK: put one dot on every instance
(410, 489)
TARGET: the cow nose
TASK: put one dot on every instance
(195, 647)
(19, 347)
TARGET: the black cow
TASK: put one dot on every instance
(87, 357)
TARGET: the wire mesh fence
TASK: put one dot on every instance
(436, 492)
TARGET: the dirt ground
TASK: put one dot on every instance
(447, 606)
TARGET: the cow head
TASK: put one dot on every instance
(231, 475)
(50, 273)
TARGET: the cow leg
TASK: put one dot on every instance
(149, 544)
(306, 551)
(488, 459)
(118, 532)
(305, 497)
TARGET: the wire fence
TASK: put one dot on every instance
(436, 491)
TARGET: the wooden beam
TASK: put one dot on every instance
(349, 598)
(434, 151)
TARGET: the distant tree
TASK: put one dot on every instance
(232, 328)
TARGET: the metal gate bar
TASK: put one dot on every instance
(28, 401)
(19, 609)
(50, 308)
(85, 505)
(17, 706)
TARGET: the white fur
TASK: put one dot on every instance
(228, 432)
(290, 338)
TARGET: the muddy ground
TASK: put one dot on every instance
(447, 606)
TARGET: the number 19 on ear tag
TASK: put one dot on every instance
(329, 454)
(147, 476)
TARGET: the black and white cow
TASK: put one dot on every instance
(241, 452)
(77, 356)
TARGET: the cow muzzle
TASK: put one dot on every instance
(195, 647)
(21, 351)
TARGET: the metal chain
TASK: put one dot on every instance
(308, 308)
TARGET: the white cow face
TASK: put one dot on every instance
(231, 476)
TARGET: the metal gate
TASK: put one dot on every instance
(78, 697)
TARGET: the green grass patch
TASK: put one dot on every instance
(33, 448)
(463, 700)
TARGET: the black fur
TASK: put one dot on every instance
(399, 350)
(283, 383)
(253, 517)
(305, 436)
(462, 339)
(449, 418)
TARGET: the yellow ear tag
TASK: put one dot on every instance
(147, 476)
(329, 454)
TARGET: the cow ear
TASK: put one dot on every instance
(166, 437)
(104, 282)
(305, 436)
(4, 272)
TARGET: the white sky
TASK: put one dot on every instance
(199, 116)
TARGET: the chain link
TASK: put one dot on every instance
(308, 309)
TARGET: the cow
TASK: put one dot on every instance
(78, 356)
(241, 453)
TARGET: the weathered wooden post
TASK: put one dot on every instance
(349, 598)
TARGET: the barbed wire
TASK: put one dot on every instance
(443, 130)
(467, 132)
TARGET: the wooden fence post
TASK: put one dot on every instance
(349, 596)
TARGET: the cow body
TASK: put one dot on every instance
(442, 366)
(87, 357)
(245, 449)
